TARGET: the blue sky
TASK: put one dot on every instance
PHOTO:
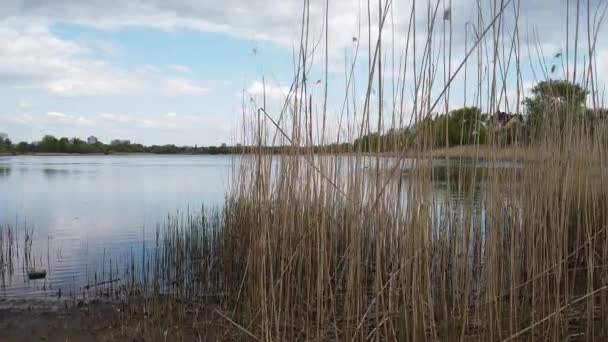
(205, 71)
(159, 72)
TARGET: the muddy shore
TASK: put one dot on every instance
(25, 320)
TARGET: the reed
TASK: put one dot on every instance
(346, 248)
(404, 243)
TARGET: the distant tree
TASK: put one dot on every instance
(465, 126)
(556, 104)
(23, 147)
(391, 140)
(80, 146)
(48, 144)
(5, 145)
(63, 145)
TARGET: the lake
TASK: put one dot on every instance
(87, 210)
(88, 214)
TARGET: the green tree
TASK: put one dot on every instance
(5, 145)
(48, 144)
(63, 145)
(391, 140)
(23, 147)
(555, 104)
(465, 126)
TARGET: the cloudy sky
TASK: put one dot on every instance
(174, 71)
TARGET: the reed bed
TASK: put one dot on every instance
(11, 256)
(347, 249)
(377, 246)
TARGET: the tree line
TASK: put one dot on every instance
(554, 108)
(50, 144)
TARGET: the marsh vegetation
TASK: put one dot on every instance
(310, 248)
(335, 248)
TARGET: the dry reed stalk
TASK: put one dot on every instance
(379, 246)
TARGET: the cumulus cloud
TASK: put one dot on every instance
(49, 119)
(24, 104)
(56, 114)
(144, 128)
(272, 21)
(32, 57)
(258, 89)
(167, 121)
(279, 21)
(183, 86)
(181, 69)
(148, 69)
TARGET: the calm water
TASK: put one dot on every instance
(90, 213)
(86, 210)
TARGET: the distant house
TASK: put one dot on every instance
(3, 136)
(502, 119)
(92, 140)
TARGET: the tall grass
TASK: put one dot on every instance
(335, 250)
(381, 247)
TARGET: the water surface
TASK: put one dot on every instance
(89, 214)
(88, 210)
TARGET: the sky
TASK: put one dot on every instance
(176, 71)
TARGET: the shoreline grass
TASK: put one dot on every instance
(346, 249)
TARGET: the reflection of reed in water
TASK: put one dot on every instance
(15, 256)
(54, 173)
(5, 172)
(7, 251)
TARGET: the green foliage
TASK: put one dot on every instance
(5, 145)
(50, 144)
(464, 126)
(375, 142)
(555, 104)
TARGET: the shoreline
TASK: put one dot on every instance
(103, 154)
(483, 153)
(450, 152)
(97, 320)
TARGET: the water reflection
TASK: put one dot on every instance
(53, 173)
(90, 211)
(5, 172)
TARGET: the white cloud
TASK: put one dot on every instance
(56, 114)
(117, 118)
(49, 119)
(32, 57)
(279, 21)
(181, 69)
(182, 86)
(148, 69)
(167, 122)
(274, 21)
(259, 89)
(86, 84)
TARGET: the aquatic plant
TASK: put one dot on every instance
(379, 246)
